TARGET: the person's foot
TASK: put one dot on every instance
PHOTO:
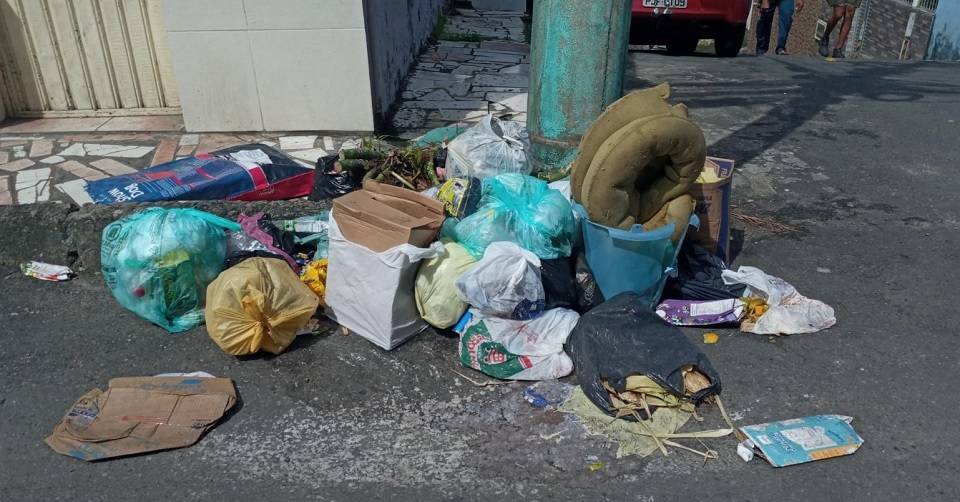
(838, 54)
(824, 46)
(761, 53)
(781, 51)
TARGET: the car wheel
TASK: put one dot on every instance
(682, 46)
(728, 45)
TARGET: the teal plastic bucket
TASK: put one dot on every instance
(634, 260)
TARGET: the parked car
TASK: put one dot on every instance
(680, 24)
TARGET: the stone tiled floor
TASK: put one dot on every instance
(453, 82)
(463, 81)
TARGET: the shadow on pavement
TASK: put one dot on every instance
(811, 88)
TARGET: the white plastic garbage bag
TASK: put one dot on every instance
(504, 283)
(517, 350)
(491, 147)
(371, 294)
(788, 311)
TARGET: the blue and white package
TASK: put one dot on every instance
(801, 440)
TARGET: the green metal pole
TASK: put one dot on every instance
(578, 54)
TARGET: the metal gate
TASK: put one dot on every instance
(85, 58)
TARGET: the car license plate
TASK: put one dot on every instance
(673, 4)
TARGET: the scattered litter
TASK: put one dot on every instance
(824, 270)
(634, 438)
(506, 283)
(460, 196)
(588, 293)
(788, 312)
(194, 374)
(800, 440)
(314, 275)
(595, 466)
(517, 350)
(259, 304)
(536, 399)
(700, 276)
(712, 191)
(520, 209)
(436, 285)
(246, 172)
(559, 283)
(158, 263)
(142, 414)
(767, 224)
(710, 338)
(371, 292)
(634, 260)
(701, 313)
(621, 339)
(489, 148)
(47, 272)
(380, 217)
(637, 161)
(332, 180)
(484, 383)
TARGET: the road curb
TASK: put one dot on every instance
(65, 234)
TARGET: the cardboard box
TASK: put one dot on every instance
(142, 414)
(380, 217)
(712, 193)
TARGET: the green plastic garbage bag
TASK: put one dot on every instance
(158, 263)
(519, 209)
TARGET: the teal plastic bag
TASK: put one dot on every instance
(520, 209)
(158, 263)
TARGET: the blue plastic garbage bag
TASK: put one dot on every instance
(520, 209)
(158, 263)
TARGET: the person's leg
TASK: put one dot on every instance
(764, 25)
(835, 18)
(848, 13)
(787, 8)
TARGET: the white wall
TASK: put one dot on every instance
(275, 65)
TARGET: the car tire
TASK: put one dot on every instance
(682, 46)
(728, 44)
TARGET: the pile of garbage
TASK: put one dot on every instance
(588, 275)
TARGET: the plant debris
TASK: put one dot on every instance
(762, 223)
(410, 167)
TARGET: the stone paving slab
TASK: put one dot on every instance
(460, 82)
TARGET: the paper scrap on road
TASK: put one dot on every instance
(142, 414)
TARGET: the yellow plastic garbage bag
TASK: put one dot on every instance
(314, 275)
(436, 289)
(257, 304)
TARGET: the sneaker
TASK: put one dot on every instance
(824, 46)
(838, 54)
(781, 51)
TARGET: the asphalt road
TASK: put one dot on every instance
(856, 156)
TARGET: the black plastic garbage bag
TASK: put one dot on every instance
(559, 285)
(699, 276)
(588, 293)
(329, 184)
(621, 338)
